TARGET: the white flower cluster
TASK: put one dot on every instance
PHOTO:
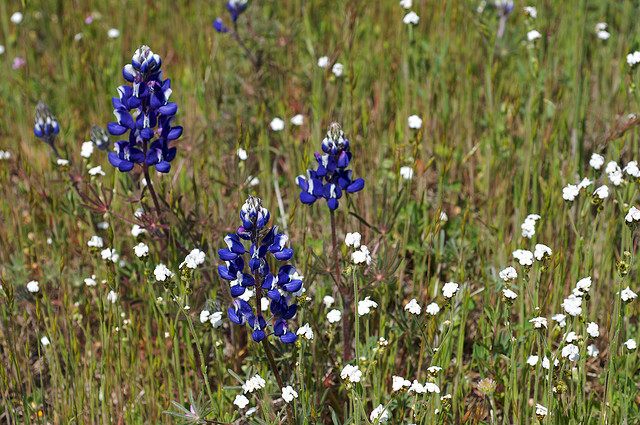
(193, 259)
(614, 173)
(161, 272)
(353, 239)
(361, 256)
(254, 384)
(450, 289)
(528, 227)
(571, 191)
(413, 307)
(214, 318)
(633, 58)
(288, 394)
(601, 31)
(380, 413)
(365, 306)
(351, 373)
(305, 331)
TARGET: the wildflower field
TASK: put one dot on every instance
(319, 212)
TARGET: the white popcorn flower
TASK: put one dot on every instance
(596, 161)
(365, 306)
(632, 169)
(112, 297)
(2, 50)
(571, 351)
(406, 3)
(450, 289)
(417, 387)
(328, 301)
(508, 274)
(97, 171)
(241, 401)
(633, 215)
(533, 35)
(431, 387)
(572, 305)
(161, 272)
(584, 183)
(602, 192)
(289, 394)
(509, 294)
(524, 257)
(110, 255)
(113, 33)
(136, 230)
(592, 350)
(323, 62)
(616, 178)
(216, 319)
(277, 124)
(415, 122)
(382, 342)
(545, 363)
(570, 192)
(413, 307)
(630, 344)
(593, 329)
(584, 284)
(95, 242)
(253, 384)
(337, 69)
(542, 251)
(432, 309)
(103, 225)
(379, 414)
(532, 360)
(193, 259)
(353, 239)
(141, 250)
(539, 322)
(627, 294)
(528, 228)
(601, 26)
(603, 35)
(16, 18)
(406, 173)
(305, 331)
(411, 18)
(399, 384)
(612, 167)
(297, 120)
(633, 58)
(334, 316)
(45, 341)
(541, 410)
(443, 216)
(560, 318)
(90, 281)
(531, 11)
(87, 149)
(242, 154)
(33, 287)
(571, 336)
(351, 373)
(204, 316)
(433, 370)
(361, 256)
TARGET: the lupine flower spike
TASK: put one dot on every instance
(151, 131)
(100, 137)
(46, 126)
(331, 177)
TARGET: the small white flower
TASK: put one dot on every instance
(161, 273)
(509, 294)
(546, 362)
(531, 11)
(328, 301)
(431, 387)
(241, 401)
(602, 192)
(533, 35)
(592, 350)
(443, 216)
(79, 36)
(33, 286)
(379, 414)
(277, 124)
(584, 284)
(136, 230)
(584, 183)
(601, 26)
(560, 318)
(365, 306)
(87, 149)
(432, 309)
(450, 289)
(2, 49)
(16, 18)
(508, 274)
(541, 410)
(399, 384)
(413, 307)
(204, 316)
(216, 319)
(528, 228)
(242, 154)
(90, 281)
(571, 351)
(113, 33)
(572, 305)
(305, 331)
(103, 225)
(627, 294)
(334, 316)
(433, 370)
(417, 387)
(415, 122)
(630, 344)
(141, 250)
(62, 162)
(603, 35)
(596, 161)
(406, 172)
(539, 322)
(411, 18)
(351, 373)
(112, 297)
(288, 394)
(616, 177)
(406, 3)
(353, 239)
(193, 259)
(632, 169)
(524, 257)
(109, 255)
(95, 242)
(337, 69)
(323, 62)
(541, 252)
(297, 120)
(252, 181)
(253, 384)
(570, 192)
(593, 330)
(633, 58)
(97, 171)
(361, 256)
(45, 341)
(633, 215)
(532, 360)
(571, 336)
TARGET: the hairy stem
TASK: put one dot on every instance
(344, 293)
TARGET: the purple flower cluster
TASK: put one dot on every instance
(46, 127)
(332, 177)
(151, 131)
(235, 8)
(280, 286)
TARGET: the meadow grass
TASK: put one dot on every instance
(507, 123)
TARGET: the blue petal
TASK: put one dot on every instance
(356, 186)
(332, 203)
(227, 255)
(288, 338)
(224, 273)
(163, 167)
(258, 335)
(116, 129)
(307, 198)
(284, 255)
(237, 290)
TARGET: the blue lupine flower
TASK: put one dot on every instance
(331, 178)
(236, 7)
(280, 288)
(100, 137)
(46, 127)
(151, 131)
(219, 26)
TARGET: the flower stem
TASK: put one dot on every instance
(344, 293)
(274, 370)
